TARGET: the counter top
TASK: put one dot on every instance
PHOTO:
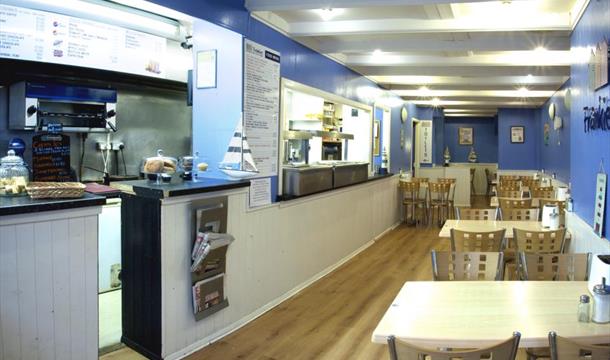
(370, 178)
(24, 204)
(147, 189)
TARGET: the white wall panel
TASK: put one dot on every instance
(278, 250)
(48, 285)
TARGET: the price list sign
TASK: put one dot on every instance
(51, 157)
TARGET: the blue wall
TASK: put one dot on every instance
(485, 139)
(519, 156)
(587, 150)
(555, 157)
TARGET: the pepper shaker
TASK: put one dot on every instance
(584, 309)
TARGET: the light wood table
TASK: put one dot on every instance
(461, 314)
(489, 225)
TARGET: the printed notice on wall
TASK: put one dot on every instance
(260, 192)
(600, 203)
(426, 142)
(261, 105)
(27, 34)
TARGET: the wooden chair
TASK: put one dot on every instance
(490, 180)
(520, 214)
(514, 194)
(506, 350)
(467, 266)
(412, 200)
(438, 195)
(566, 349)
(451, 183)
(476, 214)
(515, 203)
(511, 183)
(473, 171)
(554, 267)
(420, 180)
(541, 242)
(477, 241)
(543, 193)
(509, 177)
(530, 182)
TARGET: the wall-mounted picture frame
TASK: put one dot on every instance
(466, 136)
(206, 69)
(517, 134)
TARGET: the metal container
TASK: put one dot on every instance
(350, 173)
(307, 180)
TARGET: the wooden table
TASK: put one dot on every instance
(489, 225)
(462, 314)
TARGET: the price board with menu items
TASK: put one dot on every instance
(600, 203)
(27, 34)
(51, 157)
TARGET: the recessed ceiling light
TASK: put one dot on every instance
(540, 49)
(329, 13)
(523, 91)
(436, 102)
(377, 52)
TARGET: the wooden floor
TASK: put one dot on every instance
(335, 317)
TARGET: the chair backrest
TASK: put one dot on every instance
(505, 350)
(566, 349)
(477, 241)
(510, 183)
(420, 180)
(410, 190)
(515, 203)
(541, 242)
(446, 180)
(514, 194)
(543, 193)
(467, 266)
(509, 177)
(530, 182)
(476, 214)
(519, 214)
(554, 267)
(439, 191)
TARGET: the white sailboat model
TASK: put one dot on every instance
(238, 162)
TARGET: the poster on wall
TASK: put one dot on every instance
(600, 203)
(426, 142)
(260, 192)
(262, 105)
(27, 34)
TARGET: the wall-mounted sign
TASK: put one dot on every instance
(206, 69)
(601, 64)
(27, 34)
(517, 134)
(426, 142)
(600, 203)
(262, 105)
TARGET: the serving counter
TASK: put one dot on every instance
(48, 277)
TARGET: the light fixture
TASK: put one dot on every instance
(328, 13)
(436, 102)
(540, 49)
(377, 52)
(523, 91)
(424, 91)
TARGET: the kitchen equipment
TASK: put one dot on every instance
(561, 193)
(296, 146)
(550, 216)
(299, 181)
(584, 309)
(600, 268)
(601, 303)
(78, 109)
(55, 190)
(156, 166)
(14, 175)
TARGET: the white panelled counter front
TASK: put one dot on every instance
(48, 278)
(277, 251)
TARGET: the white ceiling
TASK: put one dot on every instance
(463, 55)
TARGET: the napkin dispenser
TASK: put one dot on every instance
(550, 217)
(561, 193)
(600, 268)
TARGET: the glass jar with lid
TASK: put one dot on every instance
(14, 175)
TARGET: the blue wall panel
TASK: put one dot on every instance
(555, 156)
(485, 139)
(587, 150)
(519, 156)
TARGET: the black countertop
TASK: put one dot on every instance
(370, 178)
(148, 189)
(24, 204)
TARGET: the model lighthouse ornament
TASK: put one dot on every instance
(472, 156)
(447, 156)
(384, 162)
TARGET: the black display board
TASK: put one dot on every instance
(51, 157)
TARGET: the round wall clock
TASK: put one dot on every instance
(404, 115)
(567, 99)
(552, 111)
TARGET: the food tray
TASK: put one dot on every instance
(55, 190)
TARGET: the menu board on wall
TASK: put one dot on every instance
(27, 34)
(51, 157)
(426, 142)
(600, 203)
(261, 105)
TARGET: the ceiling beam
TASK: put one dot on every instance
(475, 71)
(479, 115)
(404, 82)
(285, 5)
(501, 42)
(469, 86)
(508, 58)
(550, 22)
(474, 93)
(484, 103)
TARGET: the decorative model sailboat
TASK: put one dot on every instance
(238, 162)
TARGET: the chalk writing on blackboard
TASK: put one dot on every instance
(51, 157)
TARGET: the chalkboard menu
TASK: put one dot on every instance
(51, 157)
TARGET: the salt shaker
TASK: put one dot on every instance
(584, 309)
(601, 299)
